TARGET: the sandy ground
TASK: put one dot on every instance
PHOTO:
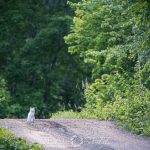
(76, 134)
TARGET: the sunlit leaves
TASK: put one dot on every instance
(113, 37)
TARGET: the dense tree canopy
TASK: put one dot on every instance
(34, 59)
(113, 38)
(90, 55)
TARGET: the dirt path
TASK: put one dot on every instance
(76, 134)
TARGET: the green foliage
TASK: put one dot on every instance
(14, 111)
(109, 66)
(4, 98)
(9, 141)
(34, 58)
(66, 115)
(114, 97)
(70, 114)
(112, 37)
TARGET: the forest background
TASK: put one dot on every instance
(88, 57)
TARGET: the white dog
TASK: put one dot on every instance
(31, 116)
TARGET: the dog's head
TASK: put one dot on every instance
(32, 109)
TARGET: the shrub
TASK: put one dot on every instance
(65, 115)
(9, 142)
(117, 97)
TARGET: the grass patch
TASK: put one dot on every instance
(66, 115)
(72, 115)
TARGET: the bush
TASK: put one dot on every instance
(66, 115)
(117, 97)
(9, 142)
(73, 115)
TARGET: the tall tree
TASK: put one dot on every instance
(113, 38)
(34, 58)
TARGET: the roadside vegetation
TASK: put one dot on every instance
(76, 59)
(9, 142)
(113, 39)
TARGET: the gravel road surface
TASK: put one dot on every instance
(76, 134)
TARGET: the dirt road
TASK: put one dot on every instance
(76, 134)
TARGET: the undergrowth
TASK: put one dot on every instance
(9, 142)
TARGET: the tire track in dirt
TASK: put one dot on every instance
(76, 134)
